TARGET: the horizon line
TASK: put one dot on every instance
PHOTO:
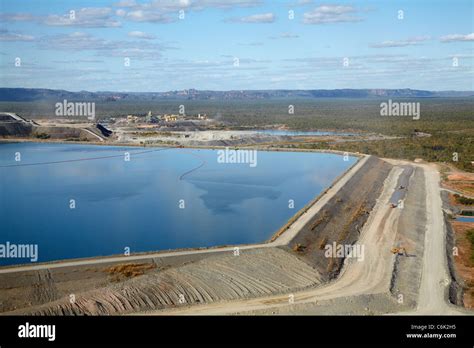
(244, 90)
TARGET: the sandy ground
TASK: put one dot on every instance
(435, 278)
(341, 218)
(457, 181)
(204, 137)
(208, 137)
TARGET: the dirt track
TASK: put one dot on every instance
(341, 219)
(435, 278)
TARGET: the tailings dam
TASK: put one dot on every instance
(82, 201)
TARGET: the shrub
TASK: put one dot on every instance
(463, 200)
(42, 136)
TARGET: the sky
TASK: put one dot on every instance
(164, 45)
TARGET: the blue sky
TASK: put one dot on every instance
(236, 44)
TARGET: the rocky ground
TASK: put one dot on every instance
(341, 219)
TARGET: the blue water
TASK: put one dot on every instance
(465, 218)
(135, 204)
(300, 133)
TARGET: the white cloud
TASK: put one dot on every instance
(6, 35)
(126, 3)
(401, 43)
(141, 35)
(16, 17)
(153, 11)
(457, 37)
(80, 41)
(166, 11)
(304, 2)
(200, 4)
(74, 41)
(330, 14)
(285, 36)
(257, 18)
(148, 16)
(88, 17)
(156, 11)
(120, 12)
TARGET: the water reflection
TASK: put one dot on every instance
(137, 204)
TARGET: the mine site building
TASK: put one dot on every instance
(170, 118)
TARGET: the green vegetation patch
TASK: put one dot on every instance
(447, 124)
(470, 238)
(440, 147)
(464, 200)
(42, 136)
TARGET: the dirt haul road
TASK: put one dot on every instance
(435, 277)
(373, 274)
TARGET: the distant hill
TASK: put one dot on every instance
(38, 94)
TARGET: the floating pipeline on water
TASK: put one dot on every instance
(181, 177)
(79, 159)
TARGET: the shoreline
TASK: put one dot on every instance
(197, 147)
